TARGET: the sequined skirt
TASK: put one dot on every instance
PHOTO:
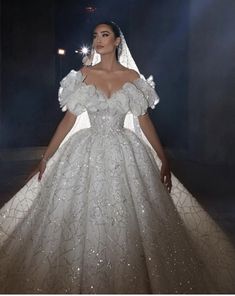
(100, 221)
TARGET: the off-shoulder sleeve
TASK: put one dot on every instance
(146, 98)
(68, 94)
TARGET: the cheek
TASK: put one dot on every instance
(109, 42)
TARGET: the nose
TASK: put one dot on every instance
(98, 43)
(98, 40)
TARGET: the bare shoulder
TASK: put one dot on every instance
(131, 74)
(84, 70)
(88, 69)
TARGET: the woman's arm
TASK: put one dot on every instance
(152, 136)
(61, 131)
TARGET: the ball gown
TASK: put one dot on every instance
(101, 221)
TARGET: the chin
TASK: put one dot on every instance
(101, 50)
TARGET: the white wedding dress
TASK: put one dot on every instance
(101, 220)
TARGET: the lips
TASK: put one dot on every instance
(99, 46)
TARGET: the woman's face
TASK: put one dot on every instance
(104, 40)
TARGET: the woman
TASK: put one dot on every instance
(96, 215)
(109, 75)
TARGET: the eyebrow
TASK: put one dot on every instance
(101, 32)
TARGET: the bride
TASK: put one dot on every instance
(97, 215)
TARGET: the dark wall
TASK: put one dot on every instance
(159, 40)
(1, 115)
(28, 72)
(212, 81)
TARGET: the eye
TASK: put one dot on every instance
(105, 34)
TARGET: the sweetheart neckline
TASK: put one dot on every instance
(102, 92)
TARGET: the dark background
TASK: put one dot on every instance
(188, 46)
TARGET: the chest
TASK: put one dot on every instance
(107, 84)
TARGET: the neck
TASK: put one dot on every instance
(108, 62)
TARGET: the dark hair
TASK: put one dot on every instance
(115, 28)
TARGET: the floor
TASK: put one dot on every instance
(213, 186)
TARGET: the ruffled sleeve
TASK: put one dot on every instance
(68, 95)
(145, 96)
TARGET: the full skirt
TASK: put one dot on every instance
(101, 221)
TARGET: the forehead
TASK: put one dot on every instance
(102, 27)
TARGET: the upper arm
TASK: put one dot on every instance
(69, 118)
(143, 119)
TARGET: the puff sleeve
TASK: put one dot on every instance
(145, 97)
(68, 95)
